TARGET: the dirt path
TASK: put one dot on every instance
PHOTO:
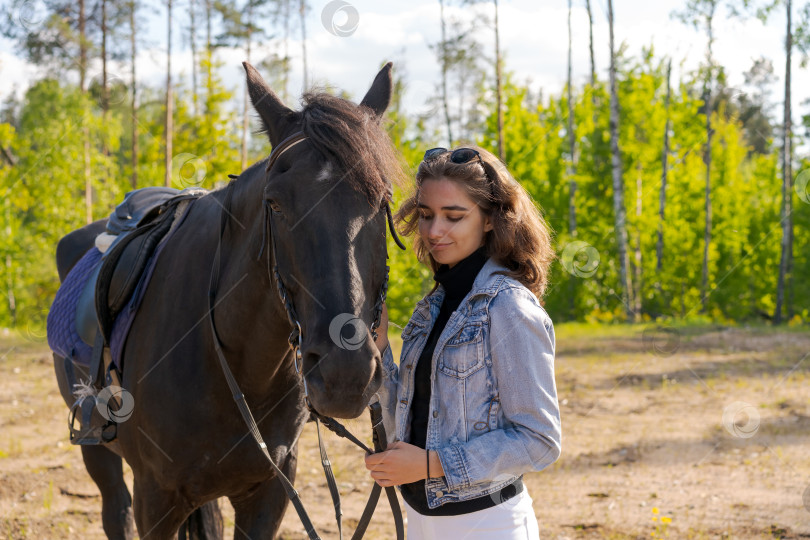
(647, 452)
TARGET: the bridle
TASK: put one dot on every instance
(295, 340)
(295, 336)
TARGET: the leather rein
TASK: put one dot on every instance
(295, 339)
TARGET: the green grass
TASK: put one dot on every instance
(573, 330)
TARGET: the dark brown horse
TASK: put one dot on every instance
(185, 440)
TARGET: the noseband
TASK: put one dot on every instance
(295, 339)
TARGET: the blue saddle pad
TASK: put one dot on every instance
(63, 338)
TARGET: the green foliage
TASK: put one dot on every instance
(745, 231)
(44, 191)
(57, 132)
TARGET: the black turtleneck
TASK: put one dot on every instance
(457, 282)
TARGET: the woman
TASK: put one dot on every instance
(473, 403)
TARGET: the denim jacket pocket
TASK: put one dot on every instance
(463, 353)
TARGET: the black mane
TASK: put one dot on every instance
(350, 136)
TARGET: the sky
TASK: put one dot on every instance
(347, 41)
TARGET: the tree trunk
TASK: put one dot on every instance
(12, 301)
(88, 183)
(707, 159)
(209, 9)
(618, 182)
(302, 12)
(286, 64)
(462, 84)
(785, 259)
(572, 182)
(572, 163)
(498, 84)
(590, 35)
(594, 103)
(105, 96)
(133, 55)
(662, 197)
(245, 108)
(105, 105)
(193, 39)
(444, 76)
(169, 105)
(82, 47)
(637, 274)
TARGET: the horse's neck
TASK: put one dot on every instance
(250, 318)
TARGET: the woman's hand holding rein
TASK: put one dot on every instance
(402, 463)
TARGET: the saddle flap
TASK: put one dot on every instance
(131, 263)
(122, 269)
(86, 319)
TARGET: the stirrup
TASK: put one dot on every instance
(93, 428)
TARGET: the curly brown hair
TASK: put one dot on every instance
(520, 238)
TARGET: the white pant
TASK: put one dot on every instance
(513, 519)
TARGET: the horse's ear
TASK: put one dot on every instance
(275, 116)
(379, 95)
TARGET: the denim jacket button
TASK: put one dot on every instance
(440, 493)
(435, 414)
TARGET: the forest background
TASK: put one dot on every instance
(671, 198)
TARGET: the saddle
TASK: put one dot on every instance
(137, 226)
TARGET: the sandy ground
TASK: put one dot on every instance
(647, 451)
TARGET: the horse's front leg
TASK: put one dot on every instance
(158, 512)
(259, 511)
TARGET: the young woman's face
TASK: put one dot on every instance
(451, 225)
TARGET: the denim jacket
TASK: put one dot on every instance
(493, 407)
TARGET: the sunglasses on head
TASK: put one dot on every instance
(460, 155)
